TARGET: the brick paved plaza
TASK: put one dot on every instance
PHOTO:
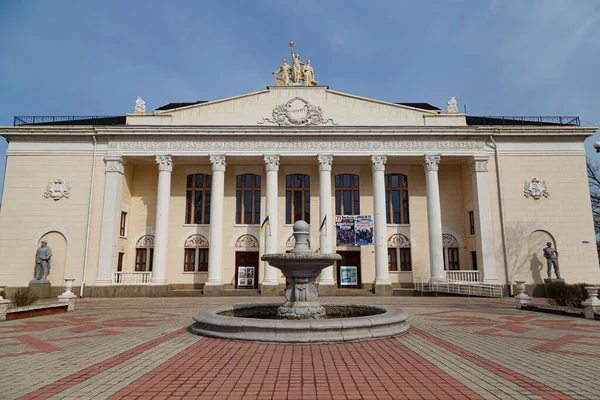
(456, 348)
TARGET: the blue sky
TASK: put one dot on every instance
(505, 57)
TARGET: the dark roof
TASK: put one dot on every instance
(171, 106)
(422, 106)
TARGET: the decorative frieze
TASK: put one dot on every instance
(282, 144)
(57, 189)
(218, 163)
(536, 188)
(247, 242)
(196, 240)
(272, 163)
(398, 240)
(378, 163)
(432, 162)
(297, 111)
(325, 163)
(165, 163)
(449, 241)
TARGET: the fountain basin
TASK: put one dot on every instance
(341, 325)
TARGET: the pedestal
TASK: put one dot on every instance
(327, 290)
(41, 288)
(550, 280)
(383, 289)
(213, 290)
(269, 290)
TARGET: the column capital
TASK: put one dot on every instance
(378, 163)
(114, 164)
(218, 163)
(165, 163)
(325, 162)
(479, 164)
(272, 163)
(432, 162)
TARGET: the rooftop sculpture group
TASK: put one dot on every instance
(288, 75)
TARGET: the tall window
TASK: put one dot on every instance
(453, 264)
(471, 223)
(123, 224)
(297, 198)
(197, 199)
(196, 254)
(347, 195)
(247, 209)
(144, 253)
(396, 199)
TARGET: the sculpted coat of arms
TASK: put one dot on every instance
(57, 189)
(297, 111)
(536, 188)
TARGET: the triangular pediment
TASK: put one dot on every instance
(290, 106)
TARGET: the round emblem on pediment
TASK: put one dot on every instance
(297, 110)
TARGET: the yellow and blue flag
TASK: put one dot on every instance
(323, 223)
(264, 224)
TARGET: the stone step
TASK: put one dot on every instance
(241, 292)
(404, 292)
(184, 293)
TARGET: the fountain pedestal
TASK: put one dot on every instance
(301, 268)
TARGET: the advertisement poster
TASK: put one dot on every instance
(344, 225)
(354, 230)
(363, 229)
(246, 277)
(348, 276)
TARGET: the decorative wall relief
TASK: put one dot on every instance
(297, 111)
(536, 189)
(57, 189)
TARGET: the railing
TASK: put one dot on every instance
(131, 278)
(522, 121)
(68, 120)
(462, 288)
(462, 276)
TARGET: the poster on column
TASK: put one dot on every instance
(344, 227)
(363, 230)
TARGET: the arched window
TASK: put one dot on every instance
(144, 253)
(399, 253)
(247, 196)
(450, 245)
(197, 199)
(347, 194)
(396, 199)
(196, 254)
(297, 198)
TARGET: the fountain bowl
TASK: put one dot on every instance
(257, 322)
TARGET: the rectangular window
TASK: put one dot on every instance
(140, 259)
(247, 199)
(392, 259)
(453, 264)
(197, 198)
(189, 261)
(195, 260)
(120, 262)
(474, 260)
(471, 223)
(123, 225)
(405, 261)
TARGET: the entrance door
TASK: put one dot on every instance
(246, 270)
(348, 269)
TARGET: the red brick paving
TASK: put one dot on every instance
(376, 369)
(544, 391)
(78, 377)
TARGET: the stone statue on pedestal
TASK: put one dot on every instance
(452, 106)
(42, 261)
(288, 75)
(551, 256)
(282, 75)
(140, 106)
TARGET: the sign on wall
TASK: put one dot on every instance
(245, 276)
(354, 230)
(348, 275)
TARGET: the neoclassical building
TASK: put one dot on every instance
(174, 199)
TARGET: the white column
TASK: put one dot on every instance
(434, 218)
(270, 284)
(111, 217)
(214, 286)
(161, 228)
(326, 280)
(486, 259)
(382, 284)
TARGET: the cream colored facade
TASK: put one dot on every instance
(141, 168)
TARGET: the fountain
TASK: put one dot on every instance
(301, 319)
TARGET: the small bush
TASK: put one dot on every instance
(23, 297)
(566, 295)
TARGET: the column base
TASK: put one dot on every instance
(326, 289)
(269, 289)
(383, 289)
(213, 290)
